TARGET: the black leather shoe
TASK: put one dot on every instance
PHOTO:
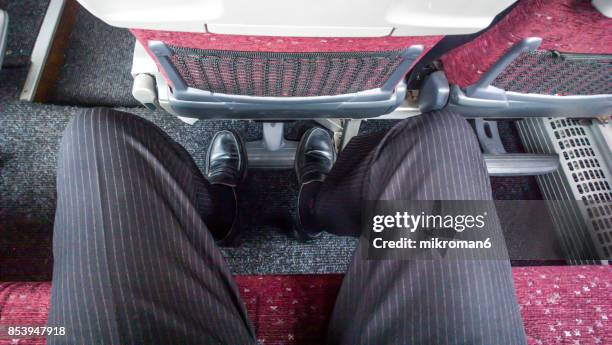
(226, 168)
(226, 160)
(314, 159)
(315, 156)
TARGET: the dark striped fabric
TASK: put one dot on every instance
(460, 300)
(135, 262)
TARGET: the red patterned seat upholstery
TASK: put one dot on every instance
(559, 305)
(565, 26)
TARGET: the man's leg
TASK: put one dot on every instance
(135, 262)
(460, 301)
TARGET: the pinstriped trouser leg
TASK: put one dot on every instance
(134, 261)
(431, 157)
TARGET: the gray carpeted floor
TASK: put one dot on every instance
(97, 65)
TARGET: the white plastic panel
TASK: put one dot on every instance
(302, 18)
(603, 6)
(142, 61)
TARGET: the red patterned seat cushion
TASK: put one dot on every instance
(568, 26)
(560, 305)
